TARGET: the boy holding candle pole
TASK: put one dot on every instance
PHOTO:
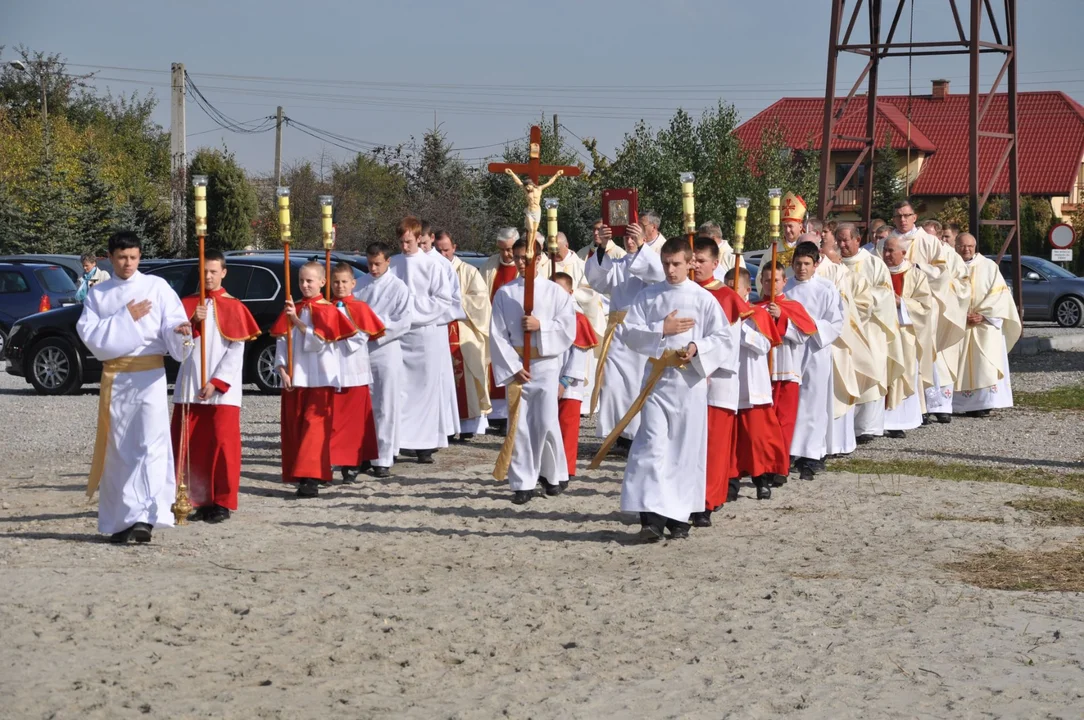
(353, 428)
(309, 386)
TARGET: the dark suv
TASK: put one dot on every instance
(46, 349)
(28, 288)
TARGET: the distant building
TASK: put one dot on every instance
(1050, 127)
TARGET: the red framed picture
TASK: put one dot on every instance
(620, 208)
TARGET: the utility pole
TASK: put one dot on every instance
(178, 226)
(278, 147)
(556, 134)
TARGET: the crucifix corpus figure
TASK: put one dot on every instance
(533, 214)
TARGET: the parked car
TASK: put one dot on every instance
(1050, 291)
(27, 288)
(73, 266)
(45, 349)
(470, 257)
(360, 262)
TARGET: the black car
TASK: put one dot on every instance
(45, 349)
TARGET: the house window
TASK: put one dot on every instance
(859, 179)
(1078, 191)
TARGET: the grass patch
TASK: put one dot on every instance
(1066, 397)
(969, 518)
(1060, 570)
(961, 472)
(1053, 511)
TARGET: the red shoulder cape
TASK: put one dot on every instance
(765, 324)
(733, 306)
(585, 334)
(328, 323)
(363, 317)
(792, 310)
(234, 321)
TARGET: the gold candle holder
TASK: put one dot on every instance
(739, 226)
(688, 202)
(326, 225)
(774, 196)
(199, 188)
(551, 225)
(283, 194)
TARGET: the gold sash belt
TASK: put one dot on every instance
(110, 368)
(669, 359)
(612, 321)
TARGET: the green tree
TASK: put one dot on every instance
(955, 212)
(231, 201)
(95, 199)
(370, 198)
(53, 222)
(889, 187)
(14, 225)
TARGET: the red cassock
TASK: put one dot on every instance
(505, 274)
(353, 427)
(762, 450)
(568, 410)
(211, 462)
(785, 394)
(307, 413)
(722, 423)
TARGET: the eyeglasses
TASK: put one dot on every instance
(903, 215)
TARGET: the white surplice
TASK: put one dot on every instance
(822, 301)
(539, 449)
(138, 482)
(316, 361)
(667, 465)
(623, 372)
(225, 362)
(426, 420)
(593, 306)
(390, 299)
(449, 401)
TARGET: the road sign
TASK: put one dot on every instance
(1061, 255)
(1061, 236)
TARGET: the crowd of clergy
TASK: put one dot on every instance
(692, 381)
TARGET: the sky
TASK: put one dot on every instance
(377, 73)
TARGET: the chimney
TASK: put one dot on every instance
(940, 89)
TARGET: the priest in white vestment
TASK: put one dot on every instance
(533, 451)
(915, 306)
(822, 301)
(882, 330)
(468, 338)
(425, 421)
(130, 322)
(620, 370)
(681, 328)
(390, 299)
(993, 327)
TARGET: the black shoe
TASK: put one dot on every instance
(650, 533)
(763, 485)
(198, 514)
(978, 413)
(943, 418)
(678, 531)
(121, 538)
(350, 475)
(466, 437)
(551, 489)
(564, 483)
(863, 439)
(521, 497)
(806, 473)
(217, 514)
(141, 532)
(307, 488)
(366, 466)
(895, 434)
(926, 419)
(732, 493)
(498, 427)
(381, 472)
(425, 457)
(777, 480)
(816, 465)
(700, 519)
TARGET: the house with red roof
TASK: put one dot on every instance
(930, 135)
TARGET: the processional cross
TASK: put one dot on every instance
(532, 191)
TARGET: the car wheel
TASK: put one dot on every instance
(53, 367)
(1069, 312)
(3, 342)
(263, 370)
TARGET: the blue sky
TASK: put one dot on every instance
(380, 72)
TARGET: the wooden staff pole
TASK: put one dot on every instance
(283, 194)
(199, 187)
(774, 196)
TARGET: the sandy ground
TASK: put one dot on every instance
(430, 596)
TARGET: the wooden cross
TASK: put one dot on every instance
(533, 169)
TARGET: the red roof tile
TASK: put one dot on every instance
(1051, 129)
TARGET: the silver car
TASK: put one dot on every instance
(1050, 291)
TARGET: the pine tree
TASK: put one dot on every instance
(14, 224)
(231, 201)
(53, 224)
(96, 212)
(888, 187)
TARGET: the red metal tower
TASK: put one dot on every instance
(983, 144)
